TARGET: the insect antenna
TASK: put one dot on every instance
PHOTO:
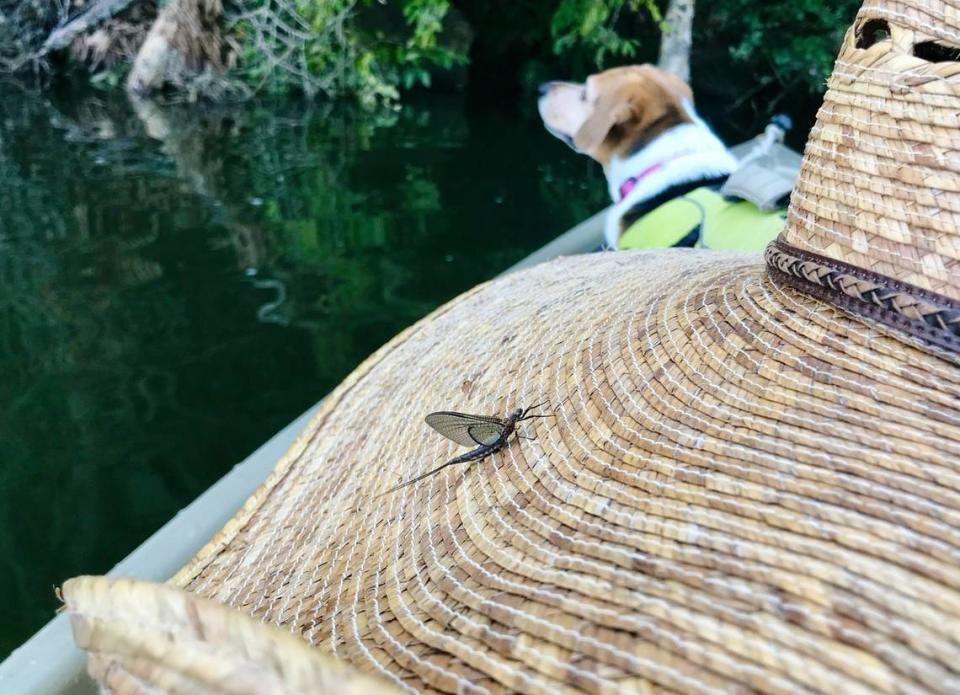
(524, 415)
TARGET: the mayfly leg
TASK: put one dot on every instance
(525, 415)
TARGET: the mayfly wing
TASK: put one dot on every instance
(467, 430)
(486, 433)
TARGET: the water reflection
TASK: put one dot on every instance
(176, 285)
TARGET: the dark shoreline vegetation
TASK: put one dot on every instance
(757, 58)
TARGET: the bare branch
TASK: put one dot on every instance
(97, 13)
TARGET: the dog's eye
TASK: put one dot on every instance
(583, 94)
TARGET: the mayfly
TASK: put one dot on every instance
(487, 433)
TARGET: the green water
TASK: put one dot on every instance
(176, 285)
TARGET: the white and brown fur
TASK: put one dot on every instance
(631, 119)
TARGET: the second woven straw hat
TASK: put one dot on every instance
(751, 480)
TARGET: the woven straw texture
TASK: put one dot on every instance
(145, 638)
(879, 184)
(742, 488)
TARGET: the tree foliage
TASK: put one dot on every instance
(342, 47)
(791, 41)
(594, 26)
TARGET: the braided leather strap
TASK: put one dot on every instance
(921, 313)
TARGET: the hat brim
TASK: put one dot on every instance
(740, 487)
(148, 638)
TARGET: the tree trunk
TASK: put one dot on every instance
(677, 38)
(184, 42)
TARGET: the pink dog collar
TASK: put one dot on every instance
(632, 182)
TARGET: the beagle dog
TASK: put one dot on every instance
(639, 123)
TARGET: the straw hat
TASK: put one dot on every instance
(752, 479)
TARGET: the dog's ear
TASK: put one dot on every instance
(611, 110)
(649, 99)
(670, 83)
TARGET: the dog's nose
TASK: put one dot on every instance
(544, 88)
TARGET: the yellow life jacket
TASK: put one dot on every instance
(705, 219)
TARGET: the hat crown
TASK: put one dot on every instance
(879, 189)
